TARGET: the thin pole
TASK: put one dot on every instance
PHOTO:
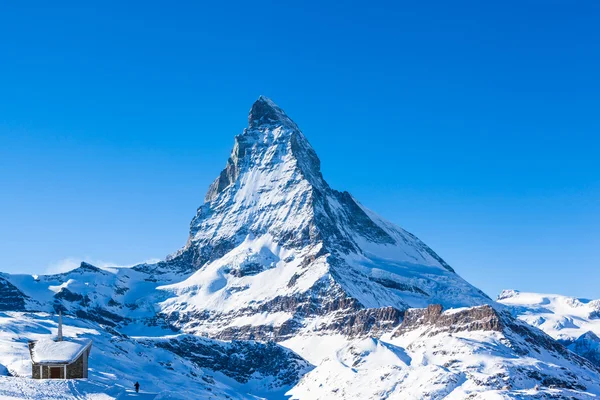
(60, 333)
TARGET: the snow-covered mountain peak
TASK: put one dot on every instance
(268, 187)
(589, 335)
(273, 235)
(264, 111)
(272, 184)
(271, 141)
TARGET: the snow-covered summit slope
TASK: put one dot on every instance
(575, 322)
(273, 236)
(272, 184)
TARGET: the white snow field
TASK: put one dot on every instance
(115, 364)
(562, 317)
(574, 322)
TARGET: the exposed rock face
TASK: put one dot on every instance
(11, 298)
(370, 322)
(471, 319)
(587, 346)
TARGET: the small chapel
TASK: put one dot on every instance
(59, 358)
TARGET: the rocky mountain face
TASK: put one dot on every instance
(587, 346)
(286, 285)
(12, 299)
(273, 237)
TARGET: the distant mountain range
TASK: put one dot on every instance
(574, 322)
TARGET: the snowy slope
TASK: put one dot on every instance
(434, 356)
(182, 366)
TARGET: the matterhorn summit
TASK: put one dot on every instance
(272, 236)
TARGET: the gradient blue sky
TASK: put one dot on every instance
(474, 125)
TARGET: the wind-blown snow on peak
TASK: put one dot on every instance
(267, 186)
(271, 139)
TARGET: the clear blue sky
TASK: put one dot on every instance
(475, 125)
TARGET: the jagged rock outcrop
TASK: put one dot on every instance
(587, 346)
(368, 322)
(484, 318)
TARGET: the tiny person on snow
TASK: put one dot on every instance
(137, 387)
